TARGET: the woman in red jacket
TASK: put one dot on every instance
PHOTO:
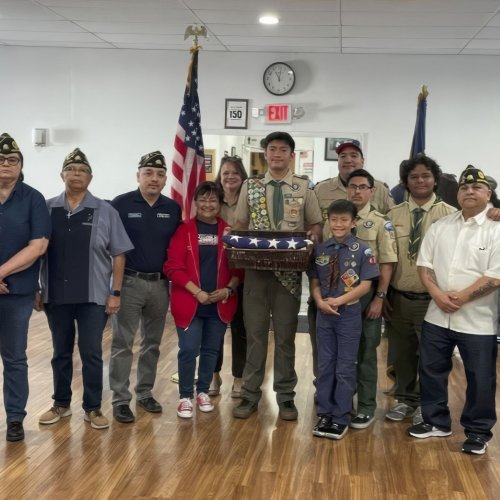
(202, 300)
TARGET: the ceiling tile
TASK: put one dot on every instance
(21, 25)
(272, 31)
(126, 14)
(131, 28)
(408, 32)
(26, 10)
(47, 36)
(389, 43)
(153, 39)
(413, 19)
(289, 17)
(281, 41)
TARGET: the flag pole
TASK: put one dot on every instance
(188, 164)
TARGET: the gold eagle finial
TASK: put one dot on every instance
(195, 31)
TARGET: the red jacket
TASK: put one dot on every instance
(183, 265)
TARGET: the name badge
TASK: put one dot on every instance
(159, 215)
(134, 215)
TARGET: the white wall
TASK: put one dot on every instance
(118, 105)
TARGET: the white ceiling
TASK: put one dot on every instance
(337, 26)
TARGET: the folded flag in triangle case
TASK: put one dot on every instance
(252, 243)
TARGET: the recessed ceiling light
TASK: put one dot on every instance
(268, 19)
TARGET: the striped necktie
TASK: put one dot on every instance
(415, 234)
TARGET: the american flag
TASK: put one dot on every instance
(247, 242)
(418, 141)
(188, 166)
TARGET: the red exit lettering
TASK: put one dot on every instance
(278, 113)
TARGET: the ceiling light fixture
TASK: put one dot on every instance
(268, 19)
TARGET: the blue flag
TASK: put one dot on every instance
(418, 142)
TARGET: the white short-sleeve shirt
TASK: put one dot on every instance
(460, 252)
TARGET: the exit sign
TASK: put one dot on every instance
(278, 113)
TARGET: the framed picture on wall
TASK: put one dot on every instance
(209, 164)
(236, 113)
(332, 143)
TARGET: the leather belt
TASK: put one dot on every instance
(145, 276)
(413, 296)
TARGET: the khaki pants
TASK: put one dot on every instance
(264, 297)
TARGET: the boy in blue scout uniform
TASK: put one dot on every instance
(341, 274)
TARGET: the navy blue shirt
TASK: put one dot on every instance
(356, 263)
(207, 244)
(23, 217)
(78, 265)
(149, 228)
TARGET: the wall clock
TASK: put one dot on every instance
(279, 78)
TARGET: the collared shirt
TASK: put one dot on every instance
(149, 228)
(301, 207)
(332, 190)
(405, 277)
(78, 265)
(460, 252)
(377, 231)
(23, 217)
(356, 263)
(228, 212)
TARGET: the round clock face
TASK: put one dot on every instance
(279, 78)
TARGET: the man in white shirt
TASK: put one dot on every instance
(459, 263)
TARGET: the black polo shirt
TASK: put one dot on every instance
(149, 227)
(23, 217)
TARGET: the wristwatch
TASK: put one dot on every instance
(381, 295)
(116, 293)
(230, 290)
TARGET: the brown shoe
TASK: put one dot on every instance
(288, 410)
(214, 389)
(97, 419)
(54, 415)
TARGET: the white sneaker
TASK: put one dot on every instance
(204, 403)
(185, 408)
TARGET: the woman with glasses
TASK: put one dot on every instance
(202, 300)
(230, 178)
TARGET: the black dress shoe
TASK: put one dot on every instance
(123, 414)
(15, 431)
(150, 404)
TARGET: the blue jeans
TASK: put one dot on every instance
(91, 320)
(337, 339)
(15, 313)
(202, 337)
(479, 355)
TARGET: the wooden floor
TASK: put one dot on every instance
(216, 456)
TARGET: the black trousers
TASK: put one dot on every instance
(479, 353)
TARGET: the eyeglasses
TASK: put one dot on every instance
(79, 170)
(360, 187)
(13, 161)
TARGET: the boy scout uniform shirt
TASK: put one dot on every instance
(356, 263)
(332, 190)
(377, 231)
(405, 277)
(301, 207)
